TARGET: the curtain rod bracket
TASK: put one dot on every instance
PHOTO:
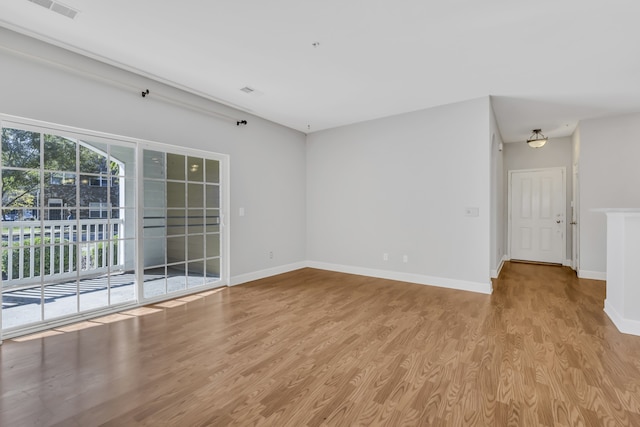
(145, 93)
(241, 122)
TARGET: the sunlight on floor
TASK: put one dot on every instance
(117, 317)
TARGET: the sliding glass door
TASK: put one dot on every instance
(93, 223)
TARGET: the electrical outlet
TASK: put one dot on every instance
(385, 256)
(405, 258)
(270, 254)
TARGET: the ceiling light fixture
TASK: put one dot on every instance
(537, 139)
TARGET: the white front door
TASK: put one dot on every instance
(537, 215)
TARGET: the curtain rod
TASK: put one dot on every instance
(145, 93)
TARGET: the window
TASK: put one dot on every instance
(99, 181)
(55, 214)
(63, 178)
(99, 209)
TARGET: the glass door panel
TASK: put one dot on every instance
(183, 217)
(68, 215)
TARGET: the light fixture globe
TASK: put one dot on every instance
(537, 139)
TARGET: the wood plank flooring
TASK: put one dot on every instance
(312, 348)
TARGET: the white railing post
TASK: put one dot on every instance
(32, 252)
(60, 247)
(51, 257)
(21, 255)
(10, 254)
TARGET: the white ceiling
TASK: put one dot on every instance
(547, 63)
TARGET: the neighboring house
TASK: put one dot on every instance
(62, 194)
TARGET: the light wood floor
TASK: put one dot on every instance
(321, 348)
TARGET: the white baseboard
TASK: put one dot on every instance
(262, 274)
(443, 282)
(568, 263)
(595, 275)
(496, 273)
(626, 326)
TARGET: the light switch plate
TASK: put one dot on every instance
(471, 211)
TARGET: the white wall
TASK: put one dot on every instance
(400, 185)
(556, 153)
(498, 219)
(267, 160)
(609, 177)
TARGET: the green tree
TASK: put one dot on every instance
(20, 167)
(59, 154)
(20, 149)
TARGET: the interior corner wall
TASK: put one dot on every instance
(267, 161)
(401, 186)
(575, 161)
(609, 174)
(498, 222)
(556, 153)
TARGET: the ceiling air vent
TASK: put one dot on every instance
(57, 7)
(247, 89)
(43, 3)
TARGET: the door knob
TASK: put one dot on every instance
(573, 223)
(557, 221)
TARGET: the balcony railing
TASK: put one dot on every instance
(49, 251)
